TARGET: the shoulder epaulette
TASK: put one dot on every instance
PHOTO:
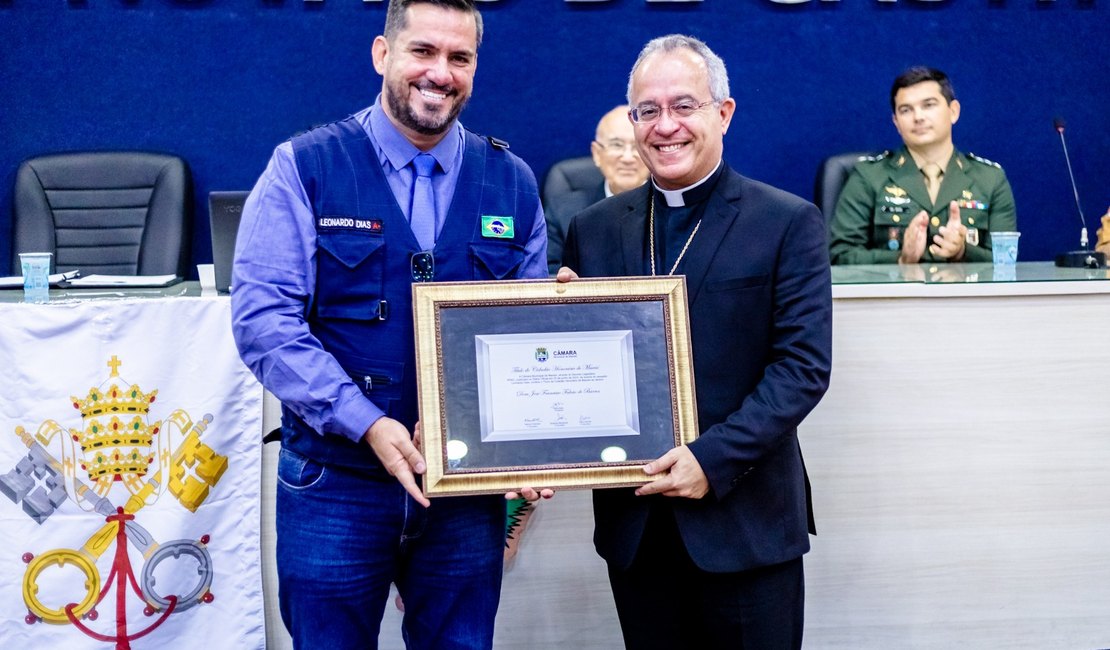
(980, 159)
(876, 157)
(497, 143)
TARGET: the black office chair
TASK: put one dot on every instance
(832, 173)
(570, 178)
(120, 212)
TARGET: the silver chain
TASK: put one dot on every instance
(651, 240)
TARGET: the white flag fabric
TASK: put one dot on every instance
(130, 477)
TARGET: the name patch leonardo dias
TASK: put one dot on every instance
(370, 225)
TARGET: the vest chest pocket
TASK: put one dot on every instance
(490, 261)
(350, 272)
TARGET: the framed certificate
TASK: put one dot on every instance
(541, 384)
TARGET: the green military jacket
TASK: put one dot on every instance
(883, 193)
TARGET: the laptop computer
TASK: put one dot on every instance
(224, 211)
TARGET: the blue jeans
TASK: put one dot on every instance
(343, 537)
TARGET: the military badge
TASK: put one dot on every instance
(972, 237)
(894, 238)
(895, 195)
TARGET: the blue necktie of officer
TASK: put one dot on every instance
(422, 212)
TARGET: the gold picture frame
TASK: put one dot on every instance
(535, 383)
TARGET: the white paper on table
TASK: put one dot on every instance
(98, 280)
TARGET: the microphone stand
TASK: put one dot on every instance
(1085, 258)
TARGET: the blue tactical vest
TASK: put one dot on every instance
(361, 310)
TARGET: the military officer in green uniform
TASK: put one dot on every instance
(925, 202)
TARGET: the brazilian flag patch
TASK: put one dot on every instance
(498, 227)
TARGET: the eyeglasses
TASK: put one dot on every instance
(423, 266)
(648, 113)
(618, 147)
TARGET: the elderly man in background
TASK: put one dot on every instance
(614, 153)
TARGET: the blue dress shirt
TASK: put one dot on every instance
(275, 276)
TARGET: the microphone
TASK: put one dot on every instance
(1081, 258)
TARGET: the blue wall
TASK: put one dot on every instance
(221, 82)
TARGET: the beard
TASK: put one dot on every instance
(431, 124)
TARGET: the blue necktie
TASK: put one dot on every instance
(422, 212)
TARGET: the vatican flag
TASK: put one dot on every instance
(130, 471)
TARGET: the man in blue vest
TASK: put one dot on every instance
(342, 222)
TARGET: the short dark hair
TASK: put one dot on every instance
(395, 14)
(919, 74)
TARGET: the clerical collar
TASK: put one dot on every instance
(693, 194)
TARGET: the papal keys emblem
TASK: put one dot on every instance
(116, 454)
